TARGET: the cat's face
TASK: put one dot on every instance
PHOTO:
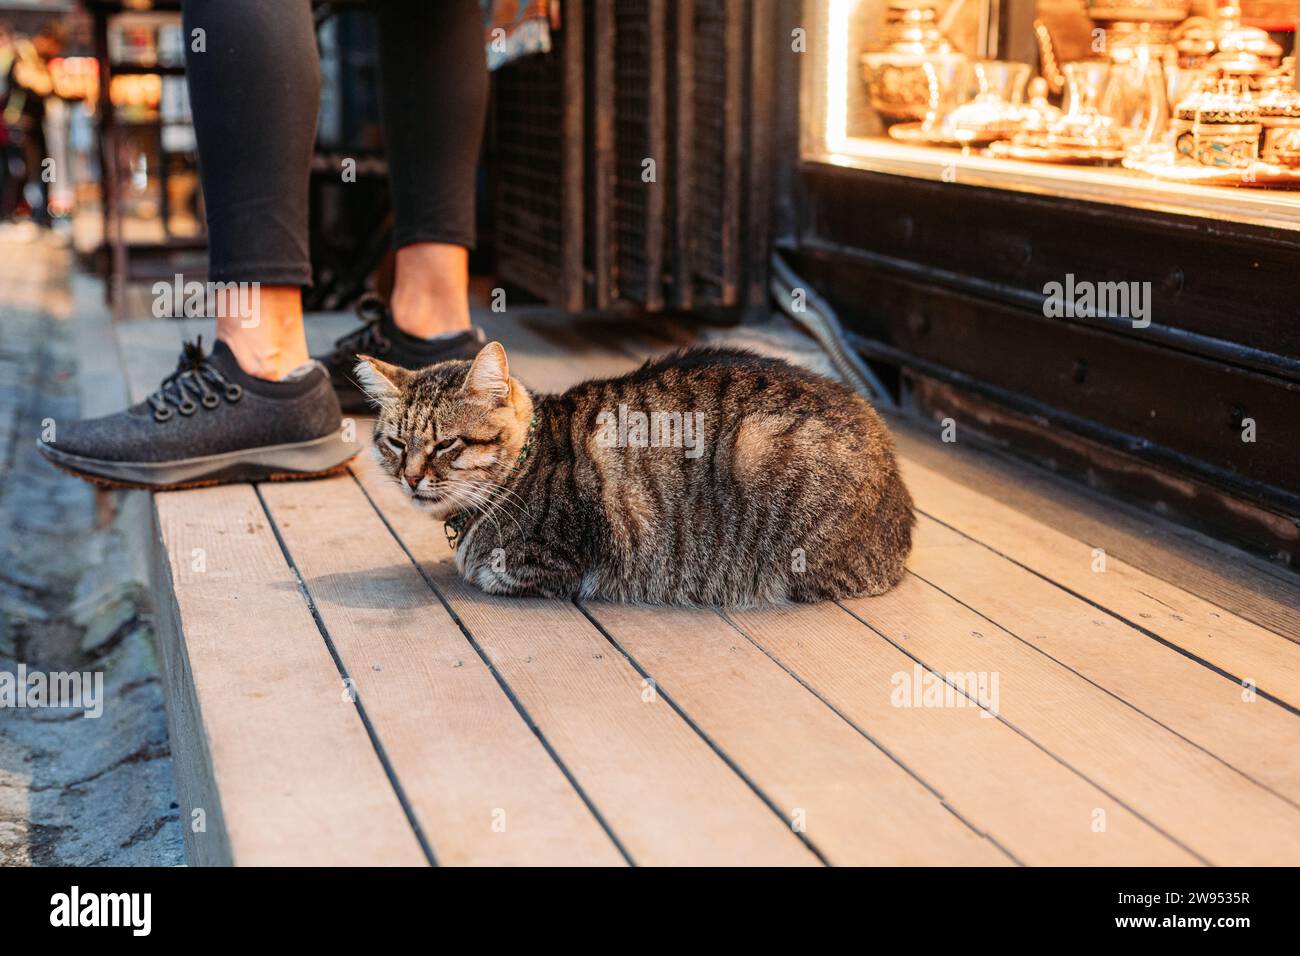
(448, 433)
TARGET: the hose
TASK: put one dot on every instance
(818, 319)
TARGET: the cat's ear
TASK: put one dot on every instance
(489, 374)
(381, 381)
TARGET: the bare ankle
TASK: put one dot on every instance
(423, 315)
(262, 360)
(431, 292)
(271, 343)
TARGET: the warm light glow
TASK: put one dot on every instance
(837, 73)
(1105, 184)
(1276, 208)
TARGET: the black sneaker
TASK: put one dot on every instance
(210, 423)
(381, 338)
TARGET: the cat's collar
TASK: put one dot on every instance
(454, 525)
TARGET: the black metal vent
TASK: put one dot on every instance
(714, 246)
(639, 136)
(630, 81)
(602, 247)
(539, 163)
(679, 284)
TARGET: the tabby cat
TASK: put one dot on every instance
(711, 477)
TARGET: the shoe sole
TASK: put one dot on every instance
(298, 461)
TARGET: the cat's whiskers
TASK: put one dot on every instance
(485, 502)
(488, 506)
(461, 494)
(483, 511)
(505, 500)
(506, 493)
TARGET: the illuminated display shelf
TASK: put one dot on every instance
(836, 117)
(1113, 185)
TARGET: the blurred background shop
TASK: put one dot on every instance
(928, 169)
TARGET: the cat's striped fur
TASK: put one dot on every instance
(794, 494)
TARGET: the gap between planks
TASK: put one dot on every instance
(1242, 583)
(1256, 736)
(666, 794)
(291, 775)
(1182, 621)
(478, 780)
(857, 804)
(1193, 796)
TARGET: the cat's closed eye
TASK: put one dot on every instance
(394, 443)
(444, 444)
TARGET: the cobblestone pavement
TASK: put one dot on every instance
(73, 790)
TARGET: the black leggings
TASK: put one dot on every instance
(255, 91)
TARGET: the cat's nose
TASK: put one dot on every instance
(413, 480)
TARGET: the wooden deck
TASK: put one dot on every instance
(338, 695)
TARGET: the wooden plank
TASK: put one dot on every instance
(1189, 794)
(206, 844)
(293, 777)
(1036, 807)
(1106, 384)
(482, 787)
(1243, 649)
(858, 807)
(1240, 582)
(1254, 735)
(1253, 517)
(1004, 248)
(667, 797)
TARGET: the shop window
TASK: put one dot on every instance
(1161, 104)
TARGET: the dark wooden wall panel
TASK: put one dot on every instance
(1217, 288)
(1161, 404)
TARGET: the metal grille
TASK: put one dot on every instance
(539, 170)
(631, 80)
(602, 246)
(639, 124)
(714, 241)
(678, 282)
